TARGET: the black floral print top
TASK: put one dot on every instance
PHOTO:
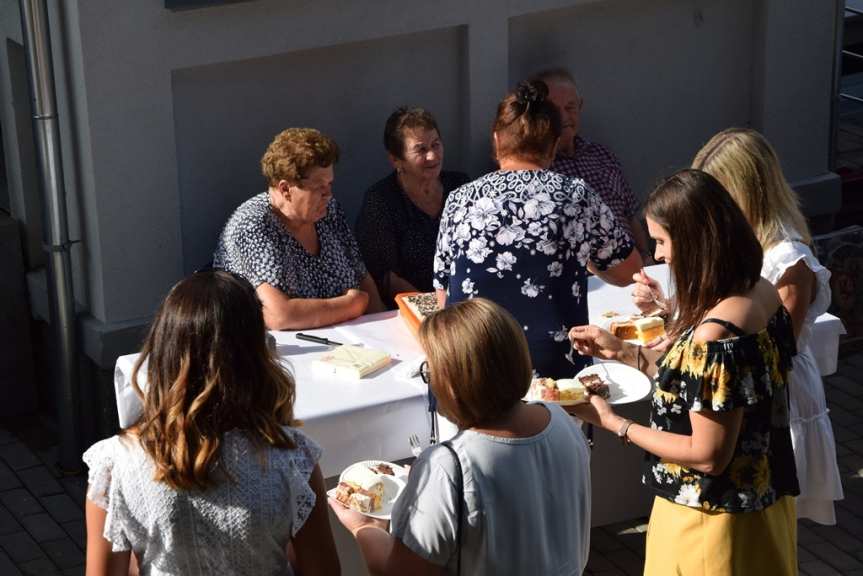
(749, 372)
(396, 236)
(256, 245)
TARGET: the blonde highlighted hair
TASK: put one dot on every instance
(747, 166)
(479, 363)
(209, 371)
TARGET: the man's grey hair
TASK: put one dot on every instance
(559, 74)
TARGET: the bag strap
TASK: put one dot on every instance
(459, 503)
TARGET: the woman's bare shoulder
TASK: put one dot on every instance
(750, 312)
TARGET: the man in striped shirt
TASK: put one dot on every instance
(592, 162)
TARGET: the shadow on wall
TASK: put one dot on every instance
(225, 115)
(653, 98)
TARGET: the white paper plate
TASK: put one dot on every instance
(625, 383)
(393, 486)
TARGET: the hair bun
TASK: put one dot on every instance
(528, 93)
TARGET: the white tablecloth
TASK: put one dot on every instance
(369, 418)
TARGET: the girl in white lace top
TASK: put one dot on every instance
(212, 479)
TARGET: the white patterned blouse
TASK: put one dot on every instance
(241, 526)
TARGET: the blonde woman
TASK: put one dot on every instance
(510, 493)
(212, 479)
(746, 165)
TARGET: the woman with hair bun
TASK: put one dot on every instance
(213, 478)
(524, 236)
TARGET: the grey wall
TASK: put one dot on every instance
(226, 114)
(165, 114)
(658, 78)
(17, 134)
(20, 152)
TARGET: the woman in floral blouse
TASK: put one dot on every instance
(524, 236)
(719, 455)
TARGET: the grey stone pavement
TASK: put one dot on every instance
(42, 520)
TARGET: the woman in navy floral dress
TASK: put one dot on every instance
(524, 236)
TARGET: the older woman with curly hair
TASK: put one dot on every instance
(292, 242)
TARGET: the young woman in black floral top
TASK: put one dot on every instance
(718, 445)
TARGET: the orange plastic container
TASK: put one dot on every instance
(405, 312)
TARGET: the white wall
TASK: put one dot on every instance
(167, 113)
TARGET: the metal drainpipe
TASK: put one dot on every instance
(37, 41)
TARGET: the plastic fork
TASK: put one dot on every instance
(656, 299)
(416, 447)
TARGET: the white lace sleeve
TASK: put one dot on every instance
(99, 459)
(303, 459)
(786, 254)
(102, 490)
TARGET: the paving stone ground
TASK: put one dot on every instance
(41, 512)
(42, 519)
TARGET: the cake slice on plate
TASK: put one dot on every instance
(625, 329)
(360, 489)
(649, 328)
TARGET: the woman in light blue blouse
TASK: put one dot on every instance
(510, 493)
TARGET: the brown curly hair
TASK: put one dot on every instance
(294, 151)
(209, 370)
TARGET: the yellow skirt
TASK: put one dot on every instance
(694, 542)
